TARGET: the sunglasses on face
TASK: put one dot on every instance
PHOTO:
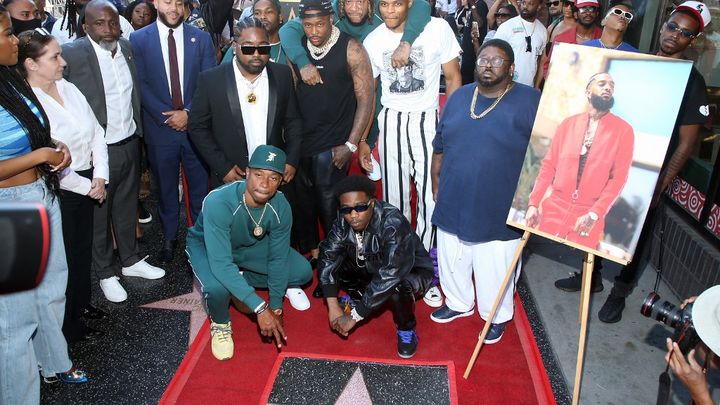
(501, 15)
(250, 50)
(553, 3)
(358, 208)
(588, 9)
(683, 31)
(622, 13)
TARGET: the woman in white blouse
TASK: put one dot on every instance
(83, 183)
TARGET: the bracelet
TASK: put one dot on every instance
(262, 308)
(363, 140)
(355, 316)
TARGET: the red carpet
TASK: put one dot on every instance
(509, 372)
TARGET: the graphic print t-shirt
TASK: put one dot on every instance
(413, 87)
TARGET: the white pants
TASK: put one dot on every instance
(405, 146)
(459, 261)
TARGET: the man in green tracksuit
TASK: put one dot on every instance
(241, 241)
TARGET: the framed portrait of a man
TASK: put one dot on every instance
(600, 138)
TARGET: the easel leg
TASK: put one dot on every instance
(584, 309)
(498, 298)
(585, 275)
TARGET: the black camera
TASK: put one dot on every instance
(677, 318)
(24, 246)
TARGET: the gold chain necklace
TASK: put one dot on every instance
(258, 230)
(492, 106)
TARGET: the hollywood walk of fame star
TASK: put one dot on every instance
(191, 302)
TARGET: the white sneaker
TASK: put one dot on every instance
(433, 297)
(143, 269)
(298, 299)
(114, 292)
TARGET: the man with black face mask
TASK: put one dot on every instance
(23, 14)
(586, 169)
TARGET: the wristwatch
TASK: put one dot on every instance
(593, 216)
(351, 146)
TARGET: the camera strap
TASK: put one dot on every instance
(663, 223)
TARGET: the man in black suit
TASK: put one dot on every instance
(101, 66)
(241, 105)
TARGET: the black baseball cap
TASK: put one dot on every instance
(314, 8)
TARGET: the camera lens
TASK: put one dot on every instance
(663, 311)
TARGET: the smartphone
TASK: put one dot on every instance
(475, 29)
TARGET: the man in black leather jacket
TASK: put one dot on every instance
(373, 253)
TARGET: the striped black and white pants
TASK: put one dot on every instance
(405, 146)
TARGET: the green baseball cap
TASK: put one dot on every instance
(268, 157)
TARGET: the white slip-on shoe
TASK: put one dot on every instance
(143, 269)
(298, 299)
(433, 297)
(113, 290)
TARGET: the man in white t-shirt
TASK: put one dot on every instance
(527, 36)
(410, 100)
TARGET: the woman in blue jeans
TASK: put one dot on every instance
(31, 321)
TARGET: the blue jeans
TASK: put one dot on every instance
(31, 321)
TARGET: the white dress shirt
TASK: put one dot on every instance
(178, 32)
(118, 85)
(255, 114)
(62, 35)
(74, 124)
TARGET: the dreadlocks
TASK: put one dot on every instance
(370, 15)
(70, 18)
(14, 90)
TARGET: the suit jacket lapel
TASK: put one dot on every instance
(155, 51)
(234, 102)
(190, 59)
(272, 101)
(95, 69)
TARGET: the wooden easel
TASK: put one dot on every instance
(582, 319)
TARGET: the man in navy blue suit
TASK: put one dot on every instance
(169, 55)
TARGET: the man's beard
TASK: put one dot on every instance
(600, 103)
(527, 15)
(252, 69)
(586, 25)
(109, 46)
(164, 20)
(488, 83)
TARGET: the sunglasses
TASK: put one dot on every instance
(358, 208)
(553, 3)
(500, 15)
(494, 62)
(683, 31)
(528, 42)
(588, 9)
(250, 50)
(621, 13)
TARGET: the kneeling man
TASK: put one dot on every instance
(241, 241)
(373, 253)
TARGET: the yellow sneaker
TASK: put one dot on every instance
(222, 343)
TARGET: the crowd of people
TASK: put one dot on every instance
(264, 141)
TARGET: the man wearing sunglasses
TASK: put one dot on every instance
(374, 255)
(677, 35)
(615, 24)
(527, 36)
(555, 10)
(586, 29)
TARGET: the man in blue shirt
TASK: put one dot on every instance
(472, 156)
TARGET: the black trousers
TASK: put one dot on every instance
(354, 280)
(77, 223)
(315, 197)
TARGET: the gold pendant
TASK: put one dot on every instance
(258, 231)
(251, 98)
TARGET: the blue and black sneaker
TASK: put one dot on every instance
(407, 343)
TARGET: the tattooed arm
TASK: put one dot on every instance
(364, 84)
